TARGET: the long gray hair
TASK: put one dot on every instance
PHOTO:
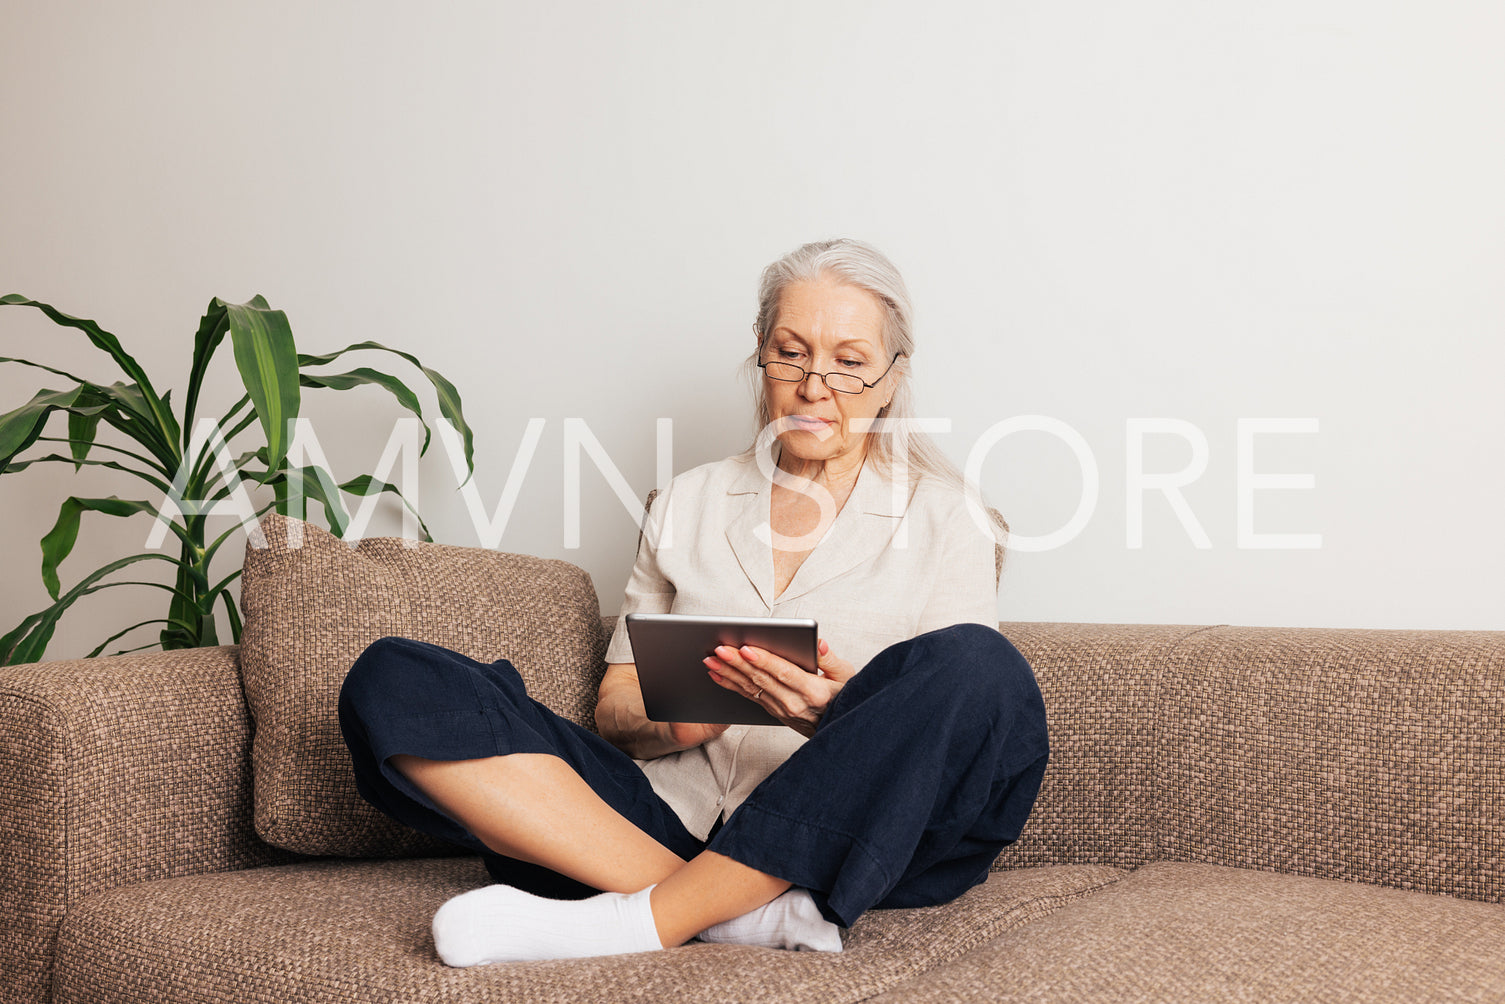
(855, 263)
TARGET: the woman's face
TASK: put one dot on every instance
(825, 327)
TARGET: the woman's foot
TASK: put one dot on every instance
(501, 924)
(790, 921)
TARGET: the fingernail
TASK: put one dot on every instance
(747, 653)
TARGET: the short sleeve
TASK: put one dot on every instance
(648, 591)
(965, 587)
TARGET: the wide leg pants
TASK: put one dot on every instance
(924, 767)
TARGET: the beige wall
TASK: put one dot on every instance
(1106, 212)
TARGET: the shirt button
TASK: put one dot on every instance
(721, 800)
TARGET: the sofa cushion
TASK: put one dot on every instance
(1192, 932)
(311, 608)
(359, 932)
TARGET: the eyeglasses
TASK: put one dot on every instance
(841, 383)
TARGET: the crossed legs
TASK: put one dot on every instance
(950, 718)
(535, 808)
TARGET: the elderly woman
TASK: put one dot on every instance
(903, 766)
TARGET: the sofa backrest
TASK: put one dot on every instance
(1366, 755)
(1363, 755)
(1099, 799)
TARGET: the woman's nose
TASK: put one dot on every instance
(814, 387)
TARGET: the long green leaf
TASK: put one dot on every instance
(160, 414)
(101, 646)
(212, 328)
(58, 542)
(14, 635)
(147, 434)
(449, 397)
(95, 403)
(209, 551)
(359, 486)
(20, 427)
(154, 585)
(81, 429)
(363, 375)
(28, 642)
(42, 366)
(128, 651)
(235, 625)
(365, 484)
(81, 423)
(21, 465)
(313, 482)
(156, 482)
(199, 479)
(268, 364)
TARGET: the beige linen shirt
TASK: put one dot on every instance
(891, 566)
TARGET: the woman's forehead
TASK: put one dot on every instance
(784, 336)
(830, 315)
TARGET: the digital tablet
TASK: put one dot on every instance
(677, 686)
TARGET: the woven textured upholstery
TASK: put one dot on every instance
(1376, 756)
(1190, 932)
(1099, 799)
(358, 933)
(112, 771)
(311, 609)
(1369, 755)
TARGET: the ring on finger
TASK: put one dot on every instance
(758, 694)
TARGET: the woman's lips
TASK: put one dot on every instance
(811, 422)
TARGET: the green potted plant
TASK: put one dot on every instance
(161, 452)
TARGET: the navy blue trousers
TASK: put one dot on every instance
(924, 767)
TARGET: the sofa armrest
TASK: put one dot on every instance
(112, 771)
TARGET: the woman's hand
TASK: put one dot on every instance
(688, 734)
(621, 720)
(793, 696)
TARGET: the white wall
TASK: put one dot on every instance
(1105, 211)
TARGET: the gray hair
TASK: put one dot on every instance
(855, 263)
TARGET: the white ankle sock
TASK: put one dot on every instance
(501, 924)
(790, 921)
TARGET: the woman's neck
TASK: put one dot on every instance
(837, 475)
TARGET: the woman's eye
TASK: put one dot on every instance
(851, 364)
(789, 354)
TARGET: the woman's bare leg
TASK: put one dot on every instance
(535, 808)
(709, 889)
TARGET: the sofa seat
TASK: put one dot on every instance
(359, 932)
(1181, 932)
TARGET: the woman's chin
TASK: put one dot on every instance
(810, 445)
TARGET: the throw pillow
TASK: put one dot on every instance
(311, 609)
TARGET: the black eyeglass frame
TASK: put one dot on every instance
(806, 374)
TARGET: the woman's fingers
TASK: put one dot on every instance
(795, 697)
(760, 669)
(832, 665)
(689, 734)
(731, 674)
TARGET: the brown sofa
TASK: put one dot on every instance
(1231, 813)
